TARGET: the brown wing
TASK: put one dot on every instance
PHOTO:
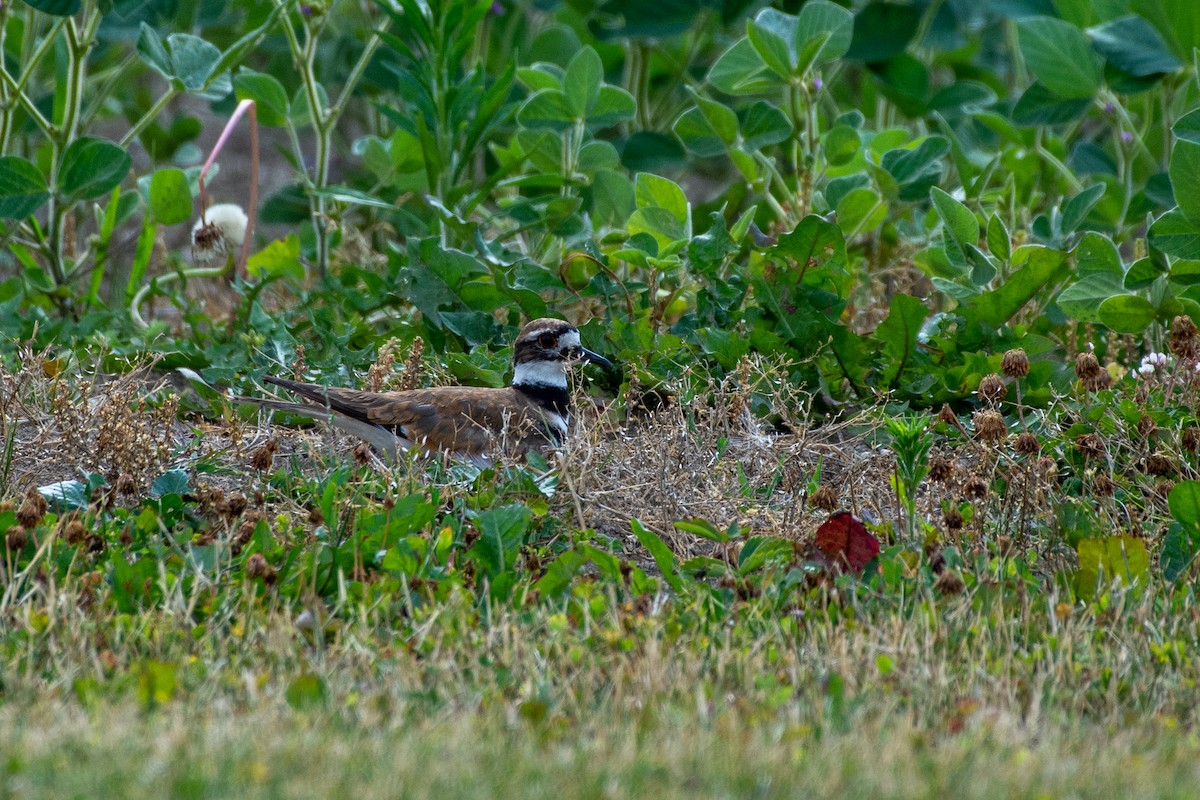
(454, 418)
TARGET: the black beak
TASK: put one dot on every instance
(593, 358)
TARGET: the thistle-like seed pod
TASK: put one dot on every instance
(992, 388)
(1015, 363)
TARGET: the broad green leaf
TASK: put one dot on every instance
(697, 135)
(582, 81)
(547, 108)
(1184, 502)
(999, 241)
(823, 33)
(1061, 57)
(841, 145)
(764, 125)
(280, 258)
(65, 495)
(1101, 561)
(540, 77)
(814, 242)
(916, 169)
(1185, 178)
(613, 198)
(1131, 44)
(613, 105)
(759, 550)
(501, 534)
(740, 70)
(1043, 266)
(1127, 313)
(659, 223)
(720, 117)
(897, 335)
(151, 50)
(1178, 21)
(904, 80)
(1179, 549)
(173, 481)
(271, 104)
(598, 155)
(1075, 209)
(654, 191)
(1081, 300)
(704, 529)
(1176, 235)
(1185, 273)
(773, 35)
(1097, 253)
(193, 61)
(861, 211)
(661, 554)
(91, 167)
(1142, 273)
(170, 199)
(1040, 106)
(883, 30)
(1187, 127)
(22, 188)
(959, 220)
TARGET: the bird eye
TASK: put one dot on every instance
(547, 340)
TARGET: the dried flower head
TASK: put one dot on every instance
(1099, 382)
(1103, 485)
(74, 532)
(992, 388)
(236, 504)
(1026, 444)
(1163, 488)
(1047, 470)
(1089, 445)
(950, 582)
(16, 538)
(1146, 426)
(1183, 337)
(976, 488)
(32, 509)
(1015, 363)
(989, 425)
(1190, 438)
(824, 498)
(941, 469)
(946, 415)
(952, 518)
(1159, 465)
(380, 372)
(258, 568)
(126, 485)
(1087, 365)
(263, 458)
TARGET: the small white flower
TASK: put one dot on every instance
(1146, 369)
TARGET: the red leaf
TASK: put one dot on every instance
(846, 541)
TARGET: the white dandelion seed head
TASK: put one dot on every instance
(229, 218)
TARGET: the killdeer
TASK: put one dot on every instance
(465, 421)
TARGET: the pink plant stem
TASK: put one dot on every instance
(252, 211)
